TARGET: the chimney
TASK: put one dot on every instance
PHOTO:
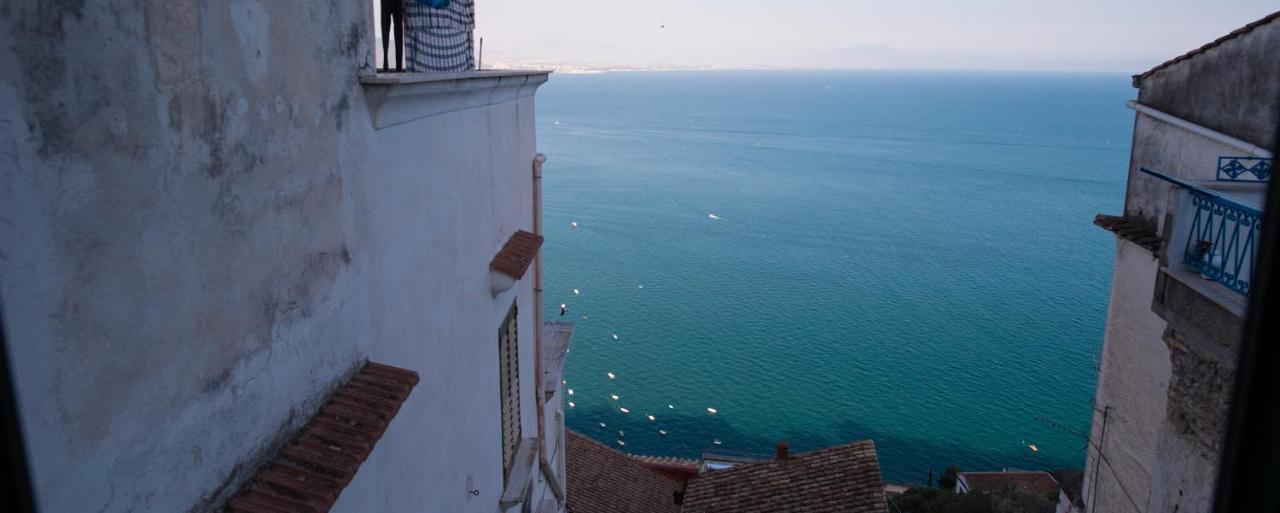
(782, 450)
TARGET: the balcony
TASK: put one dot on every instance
(1216, 226)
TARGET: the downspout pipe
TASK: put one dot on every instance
(539, 393)
(544, 463)
(1253, 150)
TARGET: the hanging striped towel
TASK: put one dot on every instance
(439, 40)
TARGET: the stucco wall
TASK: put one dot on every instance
(1171, 150)
(1231, 88)
(1132, 388)
(201, 233)
(1205, 322)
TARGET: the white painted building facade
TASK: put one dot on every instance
(1172, 336)
(211, 213)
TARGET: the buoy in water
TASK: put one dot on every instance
(611, 376)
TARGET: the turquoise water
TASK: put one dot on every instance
(901, 256)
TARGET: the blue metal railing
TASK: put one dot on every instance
(1222, 241)
(1244, 169)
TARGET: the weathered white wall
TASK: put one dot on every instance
(1205, 324)
(1132, 387)
(201, 234)
(441, 197)
(1230, 87)
(1171, 150)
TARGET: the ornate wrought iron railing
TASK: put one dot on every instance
(1222, 236)
(1244, 169)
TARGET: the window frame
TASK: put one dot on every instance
(509, 387)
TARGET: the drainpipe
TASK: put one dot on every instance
(1252, 149)
(537, 311)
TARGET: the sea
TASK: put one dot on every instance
(828, 256)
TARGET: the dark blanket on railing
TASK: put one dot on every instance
(439, 39)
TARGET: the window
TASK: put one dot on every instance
(509, 387)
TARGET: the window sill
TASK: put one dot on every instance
(399, 98)
(555, 347)
(516, 490)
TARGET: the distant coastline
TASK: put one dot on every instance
(597, 68)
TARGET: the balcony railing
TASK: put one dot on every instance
(1244, 169)
(1221, 238)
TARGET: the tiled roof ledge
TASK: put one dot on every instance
(308, 474)
(513, 260)
(1133, 229)
(399, 98)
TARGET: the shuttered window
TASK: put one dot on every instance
(509, 387)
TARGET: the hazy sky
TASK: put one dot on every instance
(1084, 35)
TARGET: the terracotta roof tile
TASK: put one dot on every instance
(602, 480)
(516, 255)
(1033, 481)
(679, 469)
(308, 474)
(1135, 230)
(667, 461)
(844, 478)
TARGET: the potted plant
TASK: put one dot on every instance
(1210, 263)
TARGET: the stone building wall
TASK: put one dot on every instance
(1231, 87)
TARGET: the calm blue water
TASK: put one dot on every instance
(901, 256)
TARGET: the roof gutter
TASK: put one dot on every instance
(1252, 149)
